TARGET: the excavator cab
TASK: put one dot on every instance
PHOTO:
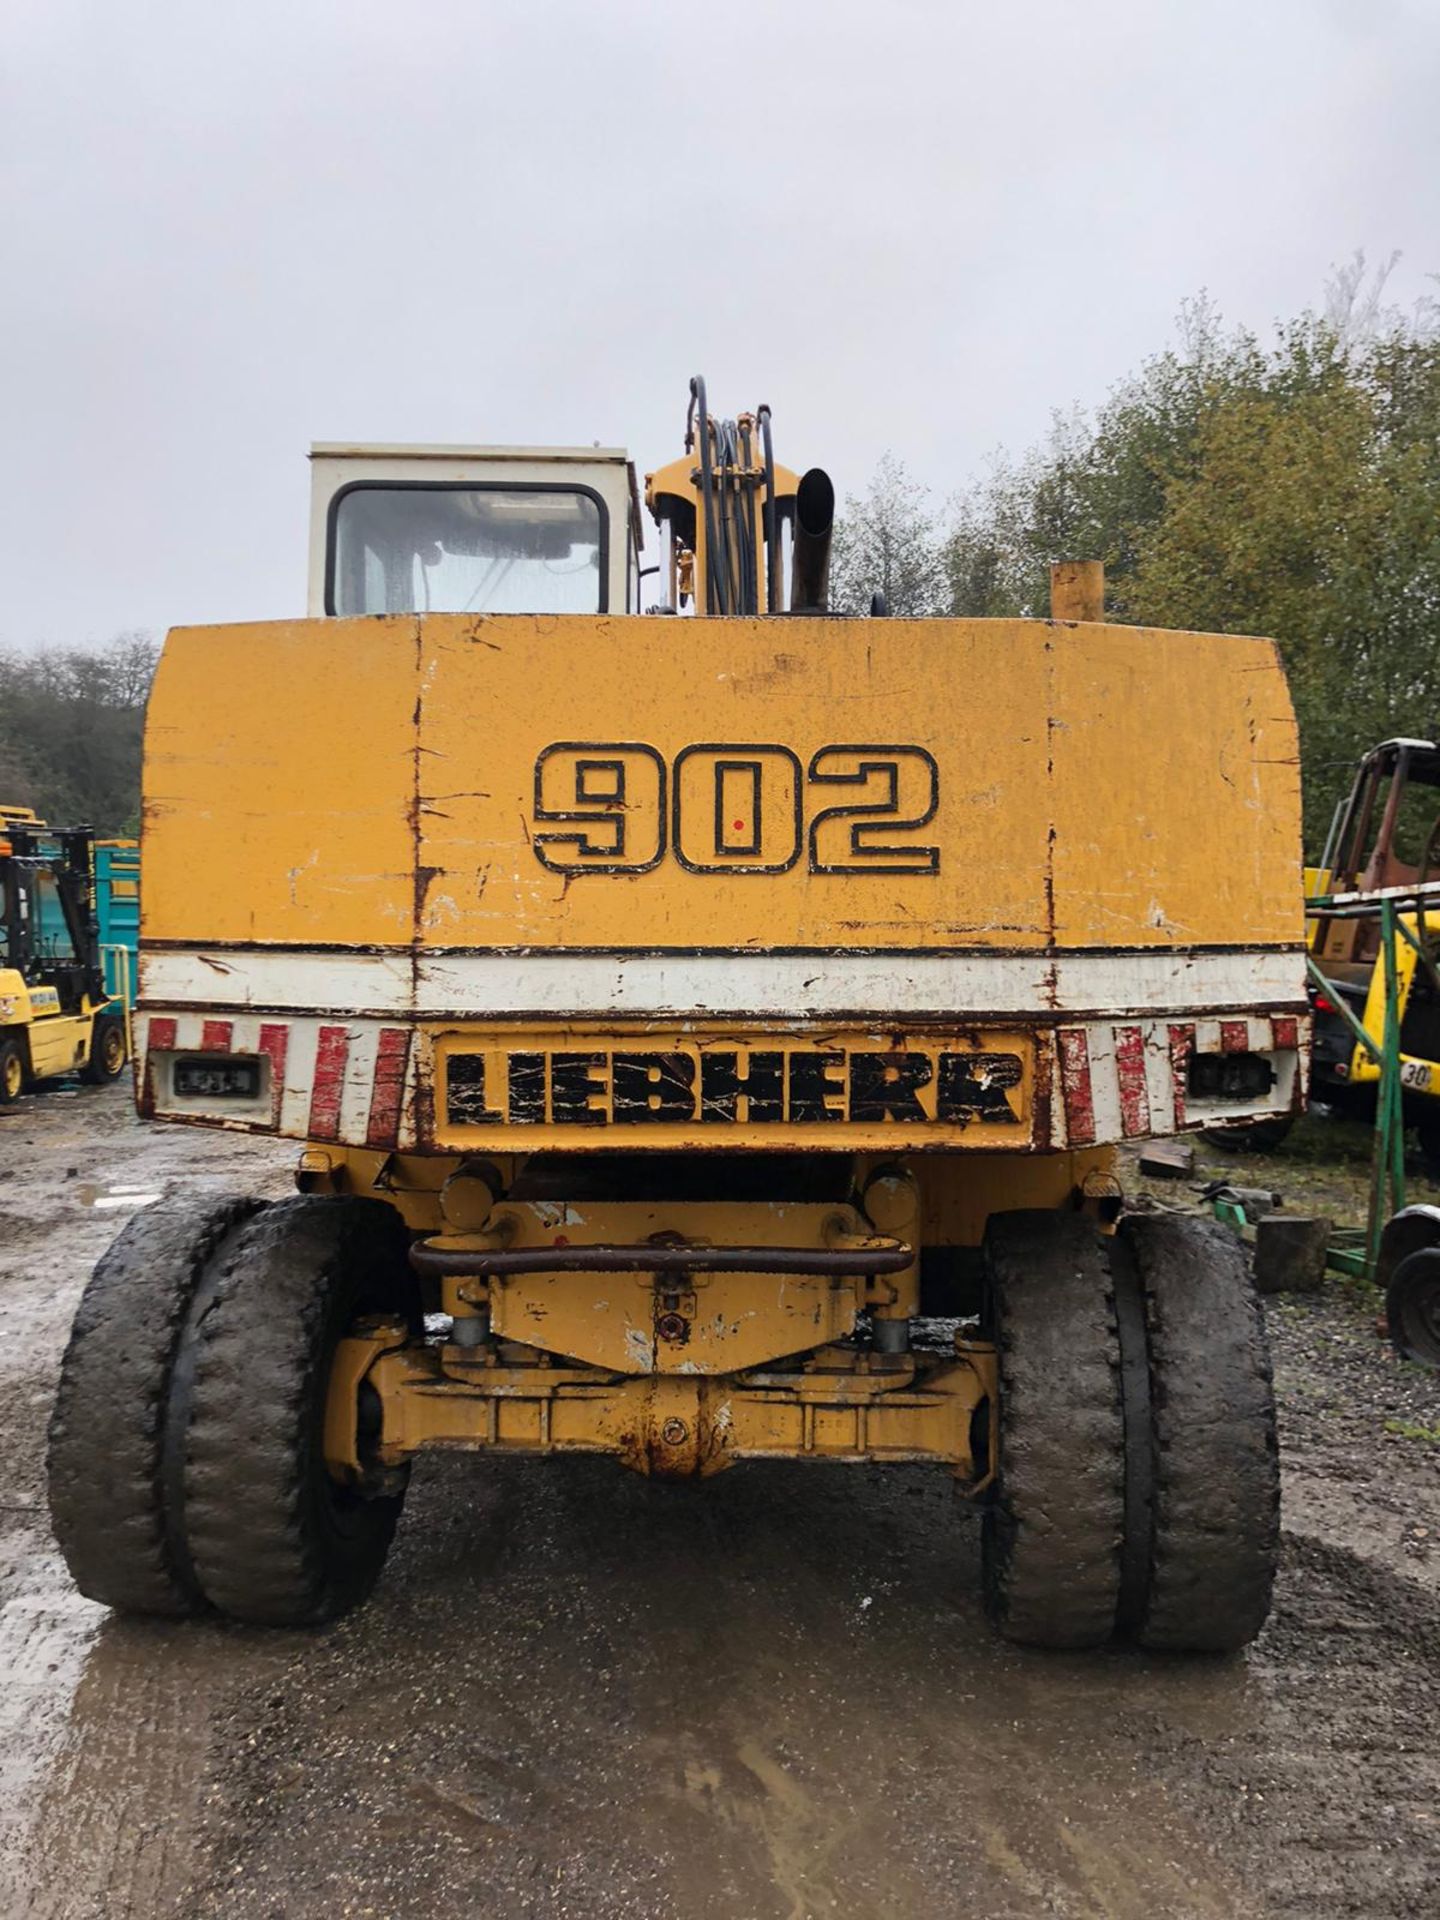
(480, 530)
(1386, 833)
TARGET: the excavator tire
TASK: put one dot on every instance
(1215, 1519)
(1250, 1136)
(1052, 1528)
(1412, 1307)
(112, 1501)
(274, 1538)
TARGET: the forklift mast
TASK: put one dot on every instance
(26, 853)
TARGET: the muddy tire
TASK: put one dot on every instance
(118, 1527)
(1052, 1528)
(108, 1052)
(1215, 1516)
(1412, 1307)
(13, 1071)
(275, 1540)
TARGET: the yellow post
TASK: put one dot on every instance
(1077, 590)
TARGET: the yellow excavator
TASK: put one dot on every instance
(706, 1024)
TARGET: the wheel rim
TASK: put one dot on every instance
(112, 1050)
(343, 1501)
(14, 1074)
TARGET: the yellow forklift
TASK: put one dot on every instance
(58, 1013)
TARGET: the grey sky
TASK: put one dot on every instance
(229, 231)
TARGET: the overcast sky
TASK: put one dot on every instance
(918, 225)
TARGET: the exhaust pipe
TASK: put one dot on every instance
(810, 549)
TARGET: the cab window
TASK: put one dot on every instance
(1417, 819)
(50, 930)
(427, 548)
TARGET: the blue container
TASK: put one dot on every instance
(117, 908)
(117, 912)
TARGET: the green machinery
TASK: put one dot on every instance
(1399, 1246)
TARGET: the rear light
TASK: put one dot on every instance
(1229, 1076)
(206, 1077)
(1321, 1004)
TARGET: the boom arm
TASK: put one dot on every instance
(724, 507)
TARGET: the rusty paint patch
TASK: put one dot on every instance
(1182, 1045)
(424, 1100)
(1130, 1076)
(1042, 1098)
(1286, 1031)
(274, 1043)
(160, 1039)
(1076, 1088)
(391, 1059)
(331, 1053)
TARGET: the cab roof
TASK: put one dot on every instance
(398, 450)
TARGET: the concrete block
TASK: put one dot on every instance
(1290, 1252)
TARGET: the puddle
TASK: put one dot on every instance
(115, 1199)
(104, 1821)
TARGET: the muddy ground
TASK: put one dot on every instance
(579, 1693)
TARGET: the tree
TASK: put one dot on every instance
(1290, 489)
(71, 727)
(1312, 514)
(889, 543)
(1095, 484)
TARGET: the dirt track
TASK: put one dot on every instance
(580, 1693)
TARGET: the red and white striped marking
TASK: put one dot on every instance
(1126, 1080)
(354, 1082)
(351, 1082)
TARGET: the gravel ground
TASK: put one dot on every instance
(576, 1692)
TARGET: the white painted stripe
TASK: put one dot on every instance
(309, 982)
(358, 1086)
(787, 986)
(1159, 1078)
(300, 1051)
(1104, 1083)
